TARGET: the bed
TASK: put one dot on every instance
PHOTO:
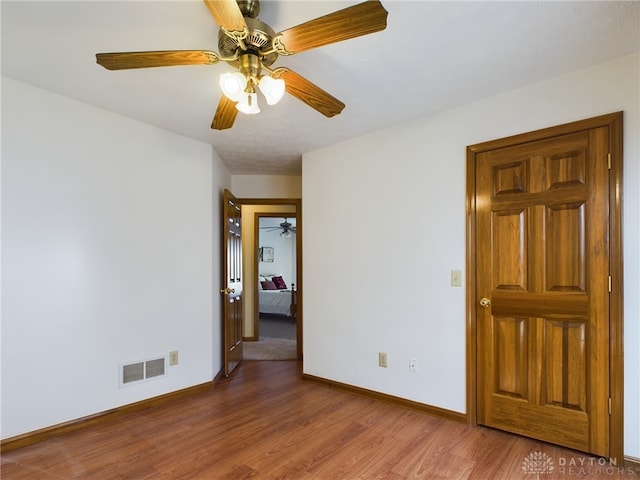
(275, 300)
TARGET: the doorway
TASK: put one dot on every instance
(544, 285)
(272, 211)
(275, 323)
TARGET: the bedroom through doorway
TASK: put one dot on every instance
(275, 332)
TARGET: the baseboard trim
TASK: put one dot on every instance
(402, 402)
(632, 464)
(36, 436)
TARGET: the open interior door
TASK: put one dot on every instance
(231, 282)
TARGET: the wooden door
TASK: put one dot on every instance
(542, 287)
(232, 282)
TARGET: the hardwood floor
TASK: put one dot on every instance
(266, 423)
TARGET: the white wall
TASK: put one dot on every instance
(378, 251)
(267, 186)
(110, 254)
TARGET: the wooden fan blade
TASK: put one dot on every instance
(228, 16)
(351, 22)
(309, 93)
(225, 114)
(168, 58)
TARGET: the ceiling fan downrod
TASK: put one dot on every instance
(249, 8)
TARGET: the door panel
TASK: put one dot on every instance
(511, 359)
(565, 268)
(232, 283)
(565, 351)
(543, 263)
(510, 268)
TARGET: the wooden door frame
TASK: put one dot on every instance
(616, 374)
(299, 283)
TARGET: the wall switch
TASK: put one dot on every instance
(173, 358)
(413, 365)
(456, 278)
(382, 359)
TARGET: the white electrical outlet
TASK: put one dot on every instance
(382, 359)
(413, 365)
(173, 358)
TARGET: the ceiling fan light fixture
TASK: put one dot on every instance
(286, 233)
(233, 85)
(251, 46)
(248, 103)
(272, 89)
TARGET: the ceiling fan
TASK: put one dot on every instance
(287, 229)
(251, 46)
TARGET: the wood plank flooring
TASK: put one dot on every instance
(266, 423)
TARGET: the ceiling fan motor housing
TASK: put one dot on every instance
(259, 38)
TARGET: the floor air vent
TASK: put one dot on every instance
(141, 371)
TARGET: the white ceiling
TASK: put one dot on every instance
(432, 56)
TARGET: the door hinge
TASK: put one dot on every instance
(609, 160)
(610, 284)
(610, 411)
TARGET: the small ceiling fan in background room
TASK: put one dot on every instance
(251, 47)
(287, 229)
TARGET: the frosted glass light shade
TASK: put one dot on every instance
(233, 85)
(272, 89)
(248, 103)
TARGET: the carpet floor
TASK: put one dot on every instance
(277, 340)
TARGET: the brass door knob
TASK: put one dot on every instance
(227, 291)
(485, 302)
